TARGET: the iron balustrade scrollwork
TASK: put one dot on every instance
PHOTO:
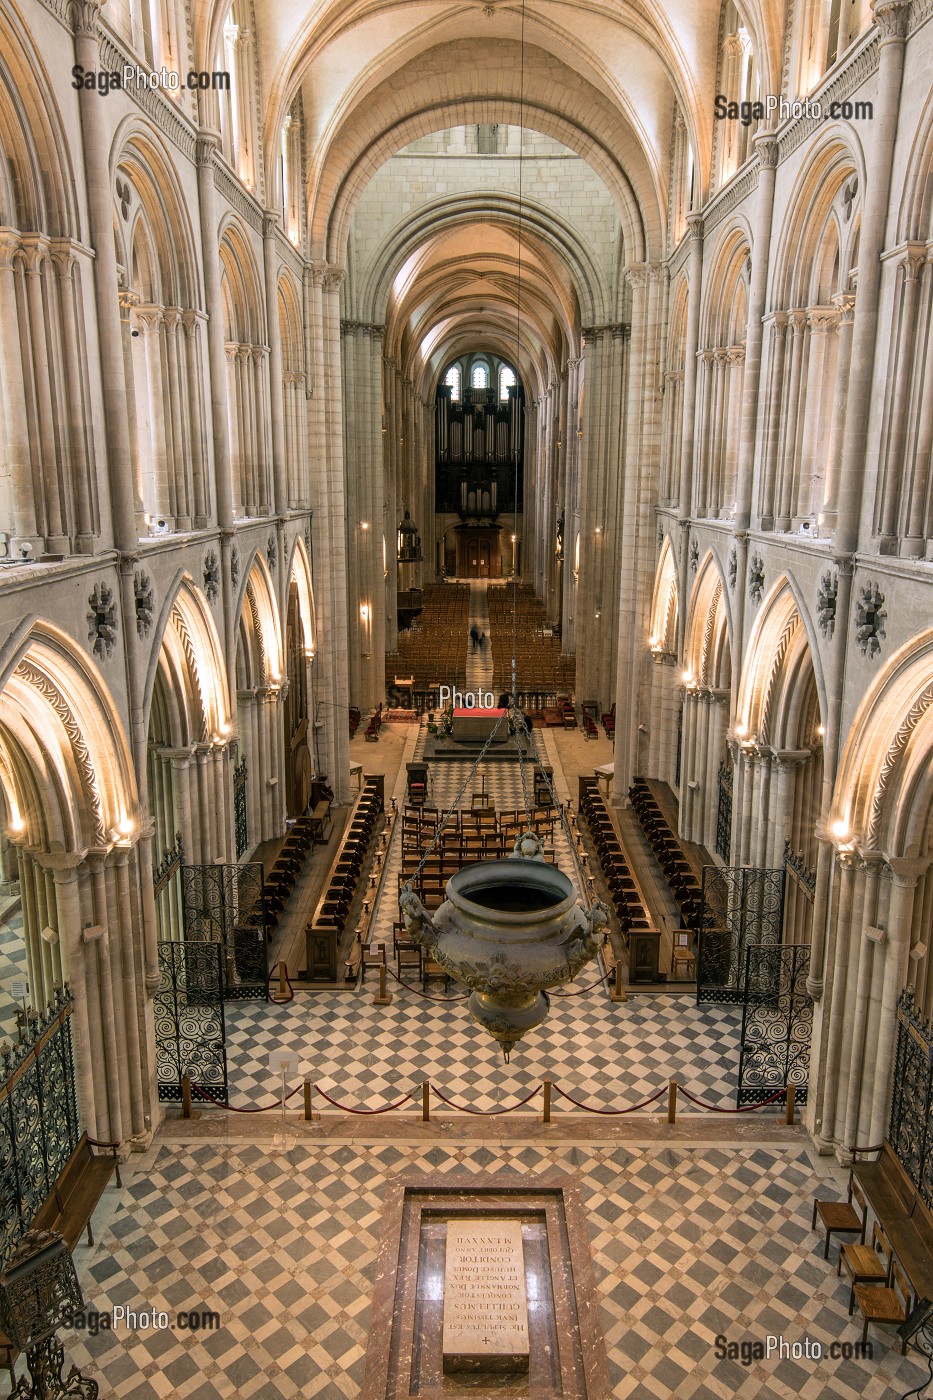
(777, 1023)
(240, 810)
(188, 1012)
(739, 906)
(910, 1130)
(724, 811)
(805, 877)
(225, 904)
(39, 1124)
(168, 866)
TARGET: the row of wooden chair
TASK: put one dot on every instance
(630, 911)
(876, 1280)
(683, 883)
(288, 864)
(334, 906)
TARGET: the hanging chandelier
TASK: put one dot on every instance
(508, 929)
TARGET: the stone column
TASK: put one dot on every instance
(767, 149)
(904, 877)
(206, 155)
(279, 480)
(86, 520)
(13, 424)
(891, 17)
(844, 303)
(826, 1053)
(96, 143)
(64, 869)
(895, 478)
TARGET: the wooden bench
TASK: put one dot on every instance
(69, 1207)
(905, 1219)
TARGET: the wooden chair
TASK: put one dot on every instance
(682, 954)
(888, 1306)
(868, 1264)
(839, 1218)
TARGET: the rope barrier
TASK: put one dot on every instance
(712, 1108)
(345, 1108)
(431, 996)
(485, 1112)
(260, 1108)
(600, 981)
(608, 1112)
(491, 1112)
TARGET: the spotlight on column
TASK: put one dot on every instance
(841, 830)
(49, 935)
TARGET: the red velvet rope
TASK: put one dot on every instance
(580, 990)
(345, 1108)
(609, 1112)
(261, 1108)
(713, 1108)
(485, 1112)
(493, 1112)
(430, 996)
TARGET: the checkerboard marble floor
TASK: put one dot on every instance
(687, 1244)
(364, 1055)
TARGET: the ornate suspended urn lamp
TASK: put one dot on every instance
(508, 929)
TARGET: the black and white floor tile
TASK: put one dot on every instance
(687, 1245)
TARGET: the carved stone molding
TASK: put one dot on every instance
(756, 578)
(50, 692)
(870, 616)
(826, 604)
(145, 608)
(211, 576)
(102, 621)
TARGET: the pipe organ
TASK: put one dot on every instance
(479, 452)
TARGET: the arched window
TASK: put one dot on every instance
(506, 382)
(480, 377)
(452, 380)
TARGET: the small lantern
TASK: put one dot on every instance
(409, 542)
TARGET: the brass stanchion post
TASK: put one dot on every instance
(186, 1109)
(382, 997)
(426, 1102)
(791, 1103)
(309, 1112)
(546, 1117)
(672, 1101)
(618, 992)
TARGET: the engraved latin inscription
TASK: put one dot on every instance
(485, 1307)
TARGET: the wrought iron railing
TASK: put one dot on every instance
(240, 819)
(39, 1127)
(724, 811)
(910, 1132)
(795, 864)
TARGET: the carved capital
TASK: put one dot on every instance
(891, 17)
(821, 319)
(270, 220)
(206, 147)
(84, 15)
(844, 303)
(695, 226)
(10, 244)
(767, 149)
